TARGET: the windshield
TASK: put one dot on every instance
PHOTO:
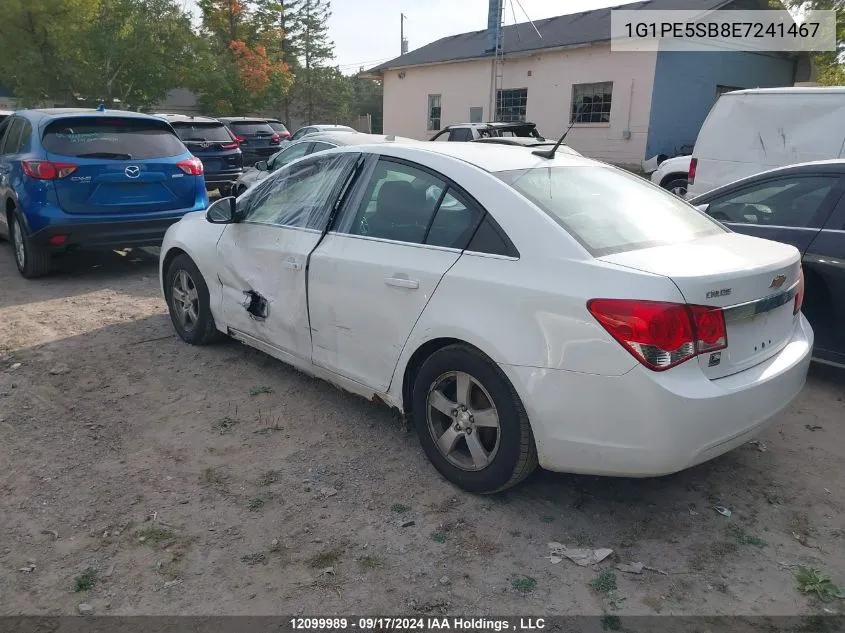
(608, 210)
(118, 139)
(193, 132)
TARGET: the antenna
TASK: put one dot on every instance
(101, 107)
(550, 153)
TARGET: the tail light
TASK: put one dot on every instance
(275, 138)
(240, 138)
(799, 294)
(47, 170)
(236, 141)
(285, 135)
(191, 166)
(661, 335)
(234, 145)
(693, 165)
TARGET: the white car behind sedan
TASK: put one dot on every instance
(519, 308)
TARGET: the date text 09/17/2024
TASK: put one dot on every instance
(417, 624)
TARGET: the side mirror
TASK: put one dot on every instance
(262, 166)
(702, 207)
(222, 211)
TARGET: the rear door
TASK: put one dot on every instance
(10, 130)
(373, 274)
(123, 165)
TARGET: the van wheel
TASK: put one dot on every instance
(678, 186)
(471, 422)
(32, 260)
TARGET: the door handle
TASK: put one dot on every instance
(292, 264)
(401, 282)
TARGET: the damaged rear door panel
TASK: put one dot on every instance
(263, 257)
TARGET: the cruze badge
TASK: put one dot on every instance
(724, 292)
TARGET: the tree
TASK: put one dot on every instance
(309, 42)
(828, 64)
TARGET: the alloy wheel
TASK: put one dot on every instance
(463, 421)
(185, 300)
(20, 246)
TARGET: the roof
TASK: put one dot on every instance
(354, 138)
(330, 126)
(53, 113)
(242, 119)
(562, 31)
(790, 90)
(187, 118)
(489, 157)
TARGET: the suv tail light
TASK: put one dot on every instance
(47, 170)
(191, 166)
(661, 335)
(693, 165)
(799, 294)
(285, 135)
(275, 138)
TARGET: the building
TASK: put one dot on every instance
(624, 106)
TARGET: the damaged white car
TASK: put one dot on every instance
(517, 305)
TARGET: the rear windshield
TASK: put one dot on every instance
(118, 139)
(251, 127)
(277, 127)
(608, 210)
(193, 132)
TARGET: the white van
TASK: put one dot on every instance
(749, 131)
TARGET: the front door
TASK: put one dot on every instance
(373, 274)
(263, 257)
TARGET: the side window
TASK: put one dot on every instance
(319, 147)
(4, 127)
(461, 134)
(289, 155)
(455, 221)
(792, 201)
(299, 196)
(491, 239)
(397, 203)
(26, 135)
(11, 142)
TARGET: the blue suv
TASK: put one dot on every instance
(213, 143)
(91, 179)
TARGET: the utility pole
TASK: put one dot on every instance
(403, 43)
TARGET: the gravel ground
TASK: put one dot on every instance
(140, 475)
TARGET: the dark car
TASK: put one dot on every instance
(279, 127)
(474, 131)
(217, 148)
(73, 178)
(257, 139)
(802, 205)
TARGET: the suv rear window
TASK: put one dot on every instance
(608, 210)
(251, 127)
(193, 132)
(277, 127)
(120, 139)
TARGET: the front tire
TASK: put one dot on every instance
(188, 302)
(32, 260)
(678, 186)
(470, 421)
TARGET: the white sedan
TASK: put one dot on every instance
(553, 310)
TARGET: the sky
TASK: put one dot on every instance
(366, 32)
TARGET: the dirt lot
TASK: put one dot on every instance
(157, 478)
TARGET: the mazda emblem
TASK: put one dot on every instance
(133, 171)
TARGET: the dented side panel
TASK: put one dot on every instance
(262, 274)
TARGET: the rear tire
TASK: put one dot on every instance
(188, 302)
(225, 191)
(678, 186)
(481, 441)
(32, 260)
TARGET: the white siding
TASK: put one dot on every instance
(463, 85)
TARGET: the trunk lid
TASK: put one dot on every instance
(256, 134)
(753, 280)
(124, 165)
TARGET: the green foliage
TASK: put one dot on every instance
(829, 67)
(813, 581)
(86, 580)
(604, 583)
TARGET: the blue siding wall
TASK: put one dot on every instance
(685, 90)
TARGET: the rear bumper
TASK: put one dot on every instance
(222, 178)
(107, 235)
(646, 423)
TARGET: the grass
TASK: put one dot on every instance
(398, 508)
(326, 558)
(524, 584)
(744, 538)
(86, 580)
(370, 561)
(611, 623)
(224, 425)
(256, 558)
(814, 581)
(604, 583)
(257, 391)
(153, 534)
(438, 537)
(255, 504)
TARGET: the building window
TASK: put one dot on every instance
(720, 90)
(591, 102)
(433, 112)
(511, 104)
(476, 115)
